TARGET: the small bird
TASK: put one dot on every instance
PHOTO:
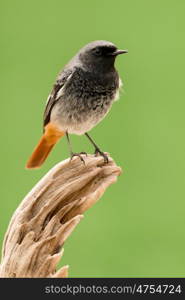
(81, 97)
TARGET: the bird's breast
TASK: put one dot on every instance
(85, 101)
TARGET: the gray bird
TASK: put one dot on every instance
(81, 97)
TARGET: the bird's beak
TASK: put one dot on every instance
(118, 52)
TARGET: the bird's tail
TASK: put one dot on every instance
(45, 145)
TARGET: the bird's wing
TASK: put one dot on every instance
(55, 94)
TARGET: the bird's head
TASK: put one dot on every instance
(99, 55)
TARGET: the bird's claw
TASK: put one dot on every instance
(84, 153)
(98, 151)
(79, 155)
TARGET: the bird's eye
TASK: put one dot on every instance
(97, 51)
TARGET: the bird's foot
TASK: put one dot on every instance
(99, 152)
(84, 153)
(79, 155)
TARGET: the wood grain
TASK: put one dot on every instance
(33, 244)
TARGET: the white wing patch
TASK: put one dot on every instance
(60, 92)
(48, 99)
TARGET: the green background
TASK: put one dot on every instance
(138, 227)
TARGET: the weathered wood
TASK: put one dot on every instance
(49, 213)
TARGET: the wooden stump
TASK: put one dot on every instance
(33, 244)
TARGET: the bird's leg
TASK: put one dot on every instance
(97, 149)
(72, 154)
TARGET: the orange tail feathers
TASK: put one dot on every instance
(45, 145)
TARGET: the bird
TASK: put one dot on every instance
(81, 97)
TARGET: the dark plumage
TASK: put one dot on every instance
(85, 89)
(81, 97)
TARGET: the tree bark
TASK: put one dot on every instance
(33, 243)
